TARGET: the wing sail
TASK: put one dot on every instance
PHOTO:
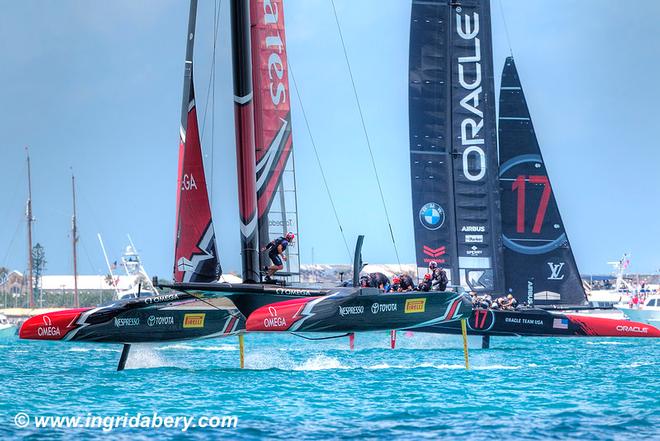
(275, 171)
(453, 142)
(195, 252)
(539, 264)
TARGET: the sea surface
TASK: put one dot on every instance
(521, 388)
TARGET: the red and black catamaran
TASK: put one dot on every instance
(199, 307)
(491, 220)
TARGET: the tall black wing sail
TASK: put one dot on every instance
(474, 149)
(430, 137)
(540, 268)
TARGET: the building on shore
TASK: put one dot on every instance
(58, 290)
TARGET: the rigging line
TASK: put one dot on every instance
(506, 28)
(318, 162)
(320, 338)
(215, 41)
(366, 134)
(89, 260)
(200, 298)
(211, 92)
(13, 238)
(211, 73)
(21, 215)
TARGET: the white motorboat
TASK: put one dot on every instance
(649, 312)
(7, 329)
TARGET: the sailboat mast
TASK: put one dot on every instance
(74, 240)
(28, 215)
(245, 147)
(188, 74)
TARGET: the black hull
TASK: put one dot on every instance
(541, 323)
(163, 318)
(145, 326)
(354, 310)
(201, 310)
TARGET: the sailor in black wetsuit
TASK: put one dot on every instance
(484, 301)
(396, 284)
(439, 278)
(375, 280)
(276, 250)
(425, 285)
(380, 281)
(365, 282)
(406, 283)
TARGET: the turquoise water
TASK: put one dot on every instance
(521, 388)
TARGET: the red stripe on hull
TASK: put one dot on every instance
(454, 306)
(231, 324)
(276, 316)
(606, 327)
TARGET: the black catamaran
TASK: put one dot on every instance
(197, 307)
(497, 239)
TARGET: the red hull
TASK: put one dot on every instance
(51, 326)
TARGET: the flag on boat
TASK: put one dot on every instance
(560, 323)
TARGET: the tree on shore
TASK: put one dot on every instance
(38, 265)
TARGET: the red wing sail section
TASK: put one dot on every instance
(275, 175)
(195, 253)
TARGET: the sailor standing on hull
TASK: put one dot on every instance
(276, 250)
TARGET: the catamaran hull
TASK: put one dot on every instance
(357, 312)
(123, 322)
(542, 323)
(340, 309)
(199, 310)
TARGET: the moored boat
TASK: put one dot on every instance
(649, 312)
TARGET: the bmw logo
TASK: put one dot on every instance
(432, 216)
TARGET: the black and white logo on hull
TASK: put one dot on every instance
(159, 321)
(351, 310)
(127, 321)
(383, 307)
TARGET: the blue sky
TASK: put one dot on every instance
(96, 86)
